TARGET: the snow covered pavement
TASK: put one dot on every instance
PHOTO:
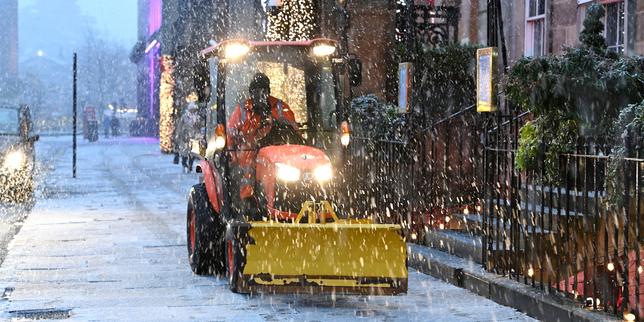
(110, 246)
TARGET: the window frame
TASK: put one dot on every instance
(530, 26)
(616, 46)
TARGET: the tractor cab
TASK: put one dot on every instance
(302, 76)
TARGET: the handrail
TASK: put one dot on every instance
(449, 117)
(508, 121)
(378, 140)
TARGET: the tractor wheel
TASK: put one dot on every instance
(204, 234)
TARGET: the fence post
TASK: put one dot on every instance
(626, 208)
(485, 209)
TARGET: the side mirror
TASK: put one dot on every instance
(355, 71)
(34, 138)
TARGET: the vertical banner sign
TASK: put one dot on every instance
(405, 73)
(486, 79)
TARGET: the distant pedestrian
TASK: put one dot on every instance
(106, 122)
(189, 128)
(115, 124)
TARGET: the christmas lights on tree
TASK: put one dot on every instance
(166, 102)
(294, 20)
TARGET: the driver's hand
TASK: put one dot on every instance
(265, 122)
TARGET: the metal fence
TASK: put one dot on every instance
(381, 178)
(577, 234)
(418, 182)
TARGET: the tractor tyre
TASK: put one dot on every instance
(204, 234)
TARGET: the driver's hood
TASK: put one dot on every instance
(7, 142)
(299, 156)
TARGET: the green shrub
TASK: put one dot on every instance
(627, 130)
(579, 93)
(373, 118)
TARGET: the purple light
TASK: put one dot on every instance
(152, 50)
(154, 16)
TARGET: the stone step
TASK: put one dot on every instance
(473, 224)
(461, 244)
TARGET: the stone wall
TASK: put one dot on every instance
(371, 37)
(564, 25)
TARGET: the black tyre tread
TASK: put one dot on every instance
(201, 261)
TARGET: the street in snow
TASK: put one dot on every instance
(111, 246)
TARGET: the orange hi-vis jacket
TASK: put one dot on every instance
(244, 133)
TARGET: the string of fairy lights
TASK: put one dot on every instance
(294, 20)
(166, 102)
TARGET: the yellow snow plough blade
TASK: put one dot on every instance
(342, 257)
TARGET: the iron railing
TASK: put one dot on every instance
(420, 181)
(564, 234)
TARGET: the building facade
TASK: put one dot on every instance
(8, 41)
(173, 32)
(543, 27)
(145, 54)
(171, 35)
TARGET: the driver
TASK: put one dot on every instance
(248, 125)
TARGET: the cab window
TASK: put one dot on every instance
(287, 79)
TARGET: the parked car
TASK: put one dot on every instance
(17, 155)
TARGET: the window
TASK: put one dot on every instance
(614, 25)
(535, 27)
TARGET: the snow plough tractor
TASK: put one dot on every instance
(298, 238)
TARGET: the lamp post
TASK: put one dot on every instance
(409, 30)
(344, 37)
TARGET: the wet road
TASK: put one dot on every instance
(110, 246)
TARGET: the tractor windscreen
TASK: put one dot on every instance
(307, 87)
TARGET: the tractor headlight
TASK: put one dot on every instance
(220, 137)
(322, 50)
(323, 173)
(287, 173)
(220, 142)
(236, 50)
(345, 133)
(323, 47)
(14, 160)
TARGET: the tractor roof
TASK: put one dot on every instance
(212, 50)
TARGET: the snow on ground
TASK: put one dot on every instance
(110, 246)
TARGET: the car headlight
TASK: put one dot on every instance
(14, 160)
(323, 173)
(287, 173)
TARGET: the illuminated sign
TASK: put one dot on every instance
(405, 77)
(485, 79)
